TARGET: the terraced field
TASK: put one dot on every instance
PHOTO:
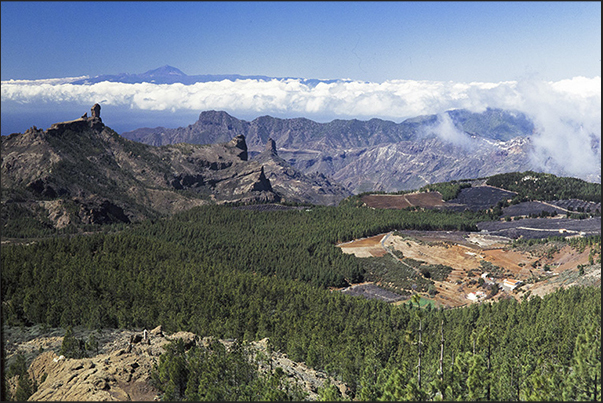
(479, 198)
(473, 198)
(577, 205)
(532, 228)
(528, 208)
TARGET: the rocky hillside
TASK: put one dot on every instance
(375, 154)
(82, 172)
(315, 187)
(121, 367)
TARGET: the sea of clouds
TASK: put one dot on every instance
(566, 113)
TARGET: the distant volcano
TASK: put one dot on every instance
(170, 75)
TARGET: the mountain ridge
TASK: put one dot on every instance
(82, 172)
(169, 75)
(375, 154)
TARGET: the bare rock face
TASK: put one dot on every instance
(262, 184)
(95, 111)
(93, 122)
(122, 370)
(238, 143)
(271, 147)
(102, 212)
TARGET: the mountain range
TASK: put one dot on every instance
(374, 155)
(170, 75)
(82, 172)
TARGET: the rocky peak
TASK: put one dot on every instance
(163, 71)
(238, 143)
(262, 184)
(95, 111)
(215, 117)
(93, 122)
(271, 147)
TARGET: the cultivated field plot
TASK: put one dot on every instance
(469, 263)
(478, 198)
(527, 208)
(371, 291)
(577, 205)
(424, 200)
(531, 228)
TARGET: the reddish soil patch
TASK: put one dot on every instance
(425, 199)
(364, 242)
(365, 247)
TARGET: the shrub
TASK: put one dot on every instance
(72, 347)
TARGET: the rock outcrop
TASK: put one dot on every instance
(240, 146)
(122, 369)
(295, 186)
(95, 111)
(271, 147)
(82, 172)
(262, 184)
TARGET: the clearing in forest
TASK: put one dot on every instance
(472, 255)
(365, 247)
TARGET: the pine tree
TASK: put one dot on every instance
(395, 387)
(329, 393)
(585, 378)
(72, 347)
(477, 378)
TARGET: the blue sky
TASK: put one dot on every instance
(400, 59)
(369, 41)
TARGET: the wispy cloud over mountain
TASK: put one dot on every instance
(566, 113)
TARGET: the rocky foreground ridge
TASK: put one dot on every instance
(82, 172)
(121, 370)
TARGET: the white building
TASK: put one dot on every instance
(475, 296)
(511, 284)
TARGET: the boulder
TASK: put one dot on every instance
(189, 339)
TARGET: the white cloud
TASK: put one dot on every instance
(445, 129)
(567, 113)
(52, 81)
